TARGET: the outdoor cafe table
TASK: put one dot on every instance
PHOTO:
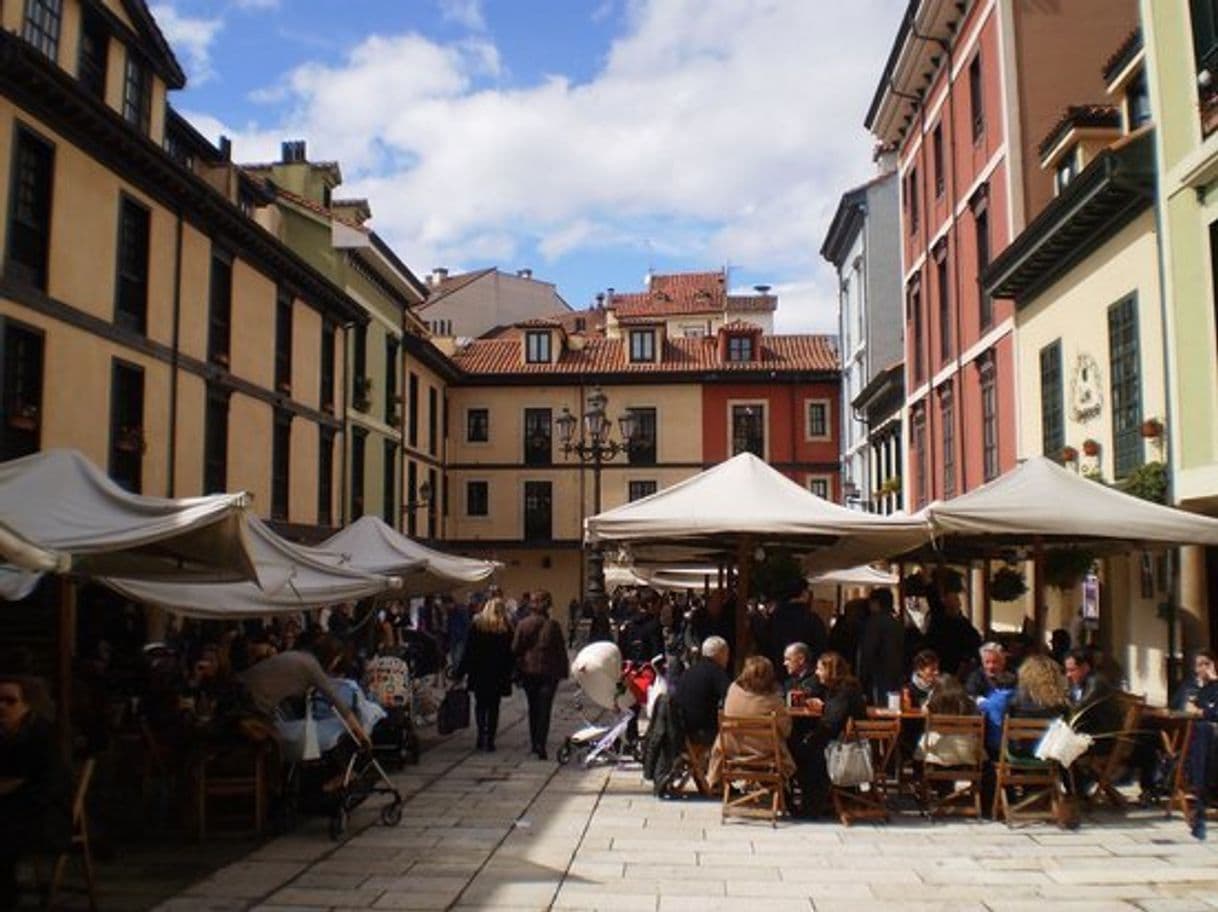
(1175, 728)
(873, 712)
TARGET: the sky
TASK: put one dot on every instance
(589, 140)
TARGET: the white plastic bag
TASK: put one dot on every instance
(849, 763)
(1063, 744)
(311, 749)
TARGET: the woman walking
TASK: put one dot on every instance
(541, 660)
(487, 663)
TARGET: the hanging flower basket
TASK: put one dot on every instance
(1069, 454)
(1152, 428)
(1065, 568)
(1007, 585)
(1091, 447)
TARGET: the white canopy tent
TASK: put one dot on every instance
(371, 545)
(864, 575)
(61, 513)
(312, 577)
(663, 579)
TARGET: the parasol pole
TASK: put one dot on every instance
(987, 606)
(1038, 590)
(65, 636)
(744, 570)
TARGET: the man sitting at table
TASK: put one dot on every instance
(993, 662)
(702, 689)
(1092, 699)
(801, 675)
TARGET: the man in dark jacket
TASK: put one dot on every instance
(541, 662)
(1092, 698)
(701, 690)
(794, 621)
(882, 653)
(642, 638)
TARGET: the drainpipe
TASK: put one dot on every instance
(345, 425)
(171, 482)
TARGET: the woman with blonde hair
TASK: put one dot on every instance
(488, 663)
(1041, 691)
(754, 693)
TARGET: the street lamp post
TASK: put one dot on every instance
(594, 445)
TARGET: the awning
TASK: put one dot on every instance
(866, 575)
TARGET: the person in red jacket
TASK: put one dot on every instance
(541, 662)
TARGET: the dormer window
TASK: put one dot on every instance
(1067, 170)
(42, 21)
(137, 94)
(739, 348)
(642, 345)
(93, 53)
(537, 347)
(1137, 103)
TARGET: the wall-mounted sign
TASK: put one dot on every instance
(1086, 390)
(1091, 597)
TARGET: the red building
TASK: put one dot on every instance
(963, 100)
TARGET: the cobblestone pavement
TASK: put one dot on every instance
(507, 831)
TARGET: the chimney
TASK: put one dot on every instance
(762, 289)
(293, 151)
(438, 275)
(525, 273)
(226, 148)
(600, 300)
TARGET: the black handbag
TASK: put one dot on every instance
(454, 711)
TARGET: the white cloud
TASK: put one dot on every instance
(717, 130)
(464, 12)
(256, 4)
(192, 36)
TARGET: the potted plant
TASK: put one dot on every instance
(1152, 428)
(1148, 482)
(1091, 447)
(1007, 585)
(891, 485)
(1066, 567)
(1069, 454)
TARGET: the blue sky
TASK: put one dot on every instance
(589, 140)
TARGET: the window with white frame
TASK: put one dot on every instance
(642, 345)
(637, 490)
(819, 485)
(817, 427)
(537, 347)
(748, 428)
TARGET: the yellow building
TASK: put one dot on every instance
(148, 320)
(1084, 276)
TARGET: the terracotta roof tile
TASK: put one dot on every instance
(599, 355)
(1078, 116)
(454, 283)
(741, 326)
(305, 203)
(541, 323)
(687, 293)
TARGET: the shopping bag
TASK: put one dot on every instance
(849, 763)
(454, 711)
(311, 749)
(1062, 743)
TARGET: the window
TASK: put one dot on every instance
(981, 227)
(819, 487)
(989, 417)
(1126, 382)
(937, 151)
(94, 52)
(1052, 408)
(976, 97)
(642, 345)
(215, 442)
(945, 305)
(739, 348)
(283, 342)
(748, 430)
(918, 445)
(325, 476)
(131, 286)
(642, 449)
(393, 403)
(478, 425)
(412, 494)
(41, 28)
(433, 418)
(538, 424)
(29, 218)
(818, 420)
(431, 504)
(911, 200)
(389, 485)
(947, 416)
(137, 94)
(1067, 168)
(1137, 103)
(412, 417)
(281, 465)
(220, 309)
(538, 505)
(327, 367)
(916, 332)
(21, 393)
(359, 445)
(637, 490)
(537, 347)
(1205, 34)
(477, 498)
(127, 443)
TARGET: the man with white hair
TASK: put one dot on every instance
(980, 683)
(701, 690)
(801, 673)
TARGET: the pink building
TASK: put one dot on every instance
(967, 93)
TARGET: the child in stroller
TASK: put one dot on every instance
(624, 688)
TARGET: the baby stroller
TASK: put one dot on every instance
(328, 771)
(621, 689)
(390, 683)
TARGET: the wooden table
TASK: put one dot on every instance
(1175, 727)
(873, 712)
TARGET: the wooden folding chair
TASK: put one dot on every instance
(690, 766)
(752, 764)
(1018, 768)
(964, 779)
(79, 844)
(236, 772)
(1109, 764)
(870, 802)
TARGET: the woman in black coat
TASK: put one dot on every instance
(488, 665)
(842, 701)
